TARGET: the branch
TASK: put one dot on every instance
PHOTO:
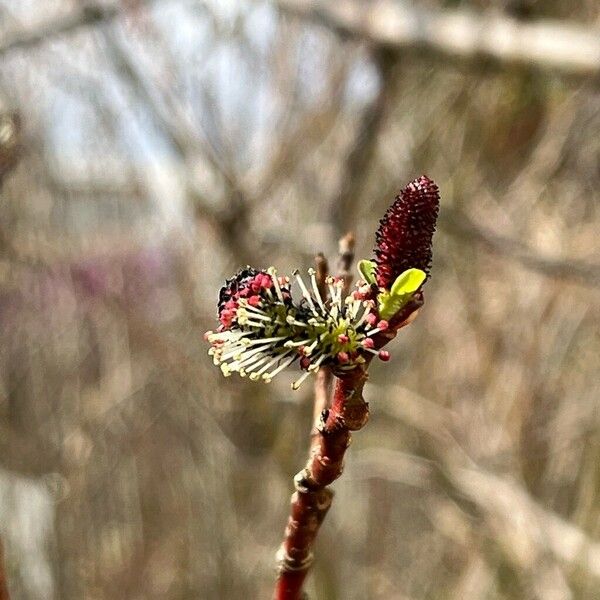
(546, 44)
(230, 224)
(10, 152)
(364, 146)
(4, 595)
(515, 519)
(457, 223)
(92, 13)
(312, 499)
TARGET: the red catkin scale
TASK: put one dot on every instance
(403, 240)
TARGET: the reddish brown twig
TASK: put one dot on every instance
(312, 498)
(3, 580)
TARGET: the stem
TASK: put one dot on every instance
(312, 498)
(3, 580)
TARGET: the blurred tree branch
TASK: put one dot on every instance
(88, 14)
(463, 34)
(569, 49)
(363, 149)
(455, 222)
(231, 223)
(514, 518)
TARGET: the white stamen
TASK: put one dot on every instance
(314, 367)
(231, 353)
(296, 385)
(261, 360)
(245, 306)
(306, 293)
(364, 315)
(374, 331)
(309, 349)
(313, 281)
(291, 321)
(240, 358)
(339, 286)
(291, 344)
(375, 352)
(250, 323)
(248, 361)
(270, 364)
(354, 308)
(331, 288)
(225, 336)
(273, 273)
(265, 340)
(245, 313)
(281, 367)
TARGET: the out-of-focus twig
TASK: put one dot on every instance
(10, 152)
(515, 519)
(87, 15)
(363, 148)
(345, 259)
(231, 225)
(457, 223)
(10, 142)
(569, 49)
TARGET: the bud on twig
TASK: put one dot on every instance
(405, 233)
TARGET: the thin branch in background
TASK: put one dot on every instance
(499, 498)
(568, 49)
(88, 14)
(364, 145)
(83, 17)
(230, 225)
(458, 224)
(345, 260)
(10, 153)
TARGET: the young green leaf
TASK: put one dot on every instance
(367, 269)
(400, 293)
(408, 282)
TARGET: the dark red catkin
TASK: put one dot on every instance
(403, 240)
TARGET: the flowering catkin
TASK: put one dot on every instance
(263, 330)
(404, 237)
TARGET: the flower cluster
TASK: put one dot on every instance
(263, 330)
(403, 240)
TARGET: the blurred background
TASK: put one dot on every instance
(150, 148)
